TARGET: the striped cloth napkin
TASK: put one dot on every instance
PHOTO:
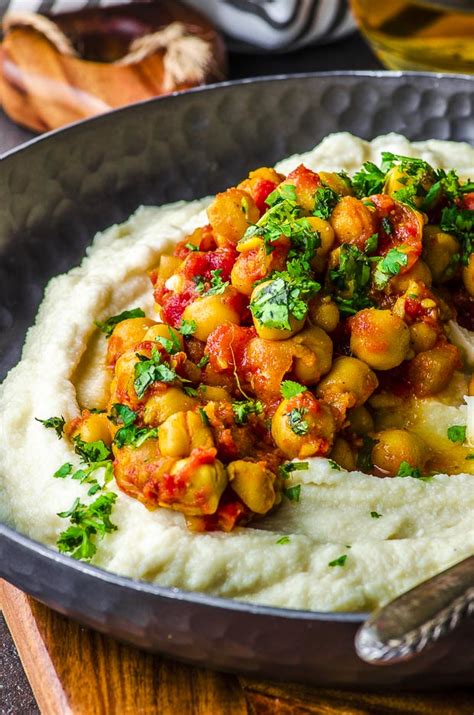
(270, 25)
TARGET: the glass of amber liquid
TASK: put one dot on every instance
(433, 35)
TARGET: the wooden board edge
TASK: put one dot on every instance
(33, 653)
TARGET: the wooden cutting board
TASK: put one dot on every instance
(76, 671)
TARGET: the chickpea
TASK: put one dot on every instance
(395, 446)
(213, 393)
(268, 333)
(349, 383)
(397, 179)
(324, 313)
(162, 330)
(168, 266)
(336, 182)
(420, 273)
(431, 371)
(379, 338)
(309, 368)
(438, 251)
(353, 222)
(306, 182)
(203, 485)
(253, 483)
(182, 432)
(122, 387)
(327, 238)
(422, 337)
(468, 276)
(92, 427)
(163, 404)
(342, 454)
(303, 426)
(361, 421)
(230, 215)
(125, 335)
(210, 311)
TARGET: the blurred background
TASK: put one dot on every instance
(64, 60)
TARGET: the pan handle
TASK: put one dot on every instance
(404, 627)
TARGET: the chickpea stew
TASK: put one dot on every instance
(308, 318)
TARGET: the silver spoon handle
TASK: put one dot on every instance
(407, 625)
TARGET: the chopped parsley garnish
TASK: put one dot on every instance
(325, 200)
(364, 457)
(284, 192)
(204, 417)
(406, 470)
(55, 423)
(390, 265)
(242, 409)
(129, 433)
(191, 247)
(340, 561)
(187, 328)
(282, 298)
(107, 326)
(293, 493)
(368, 180)
(200, 283)
(190, 391)
(334, 465)
(150, 370)
(469, 456)
(289, 389)
(171, 344)
(203, 361)
(297, 422)
(460, 222)
(371, 244)
(218, 286)
(90, 452)
(283, 540)
(284, 470)
(63, 471)
(457, 433)
(88, 523)
(387, 226)
(375, 515)
(351, 280)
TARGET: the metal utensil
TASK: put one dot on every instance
(407, 625)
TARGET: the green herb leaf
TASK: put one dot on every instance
(340, 561)
(457, 433)
(91, 451)
(191, 247)
(289, 389)
(284, 192)
(107, 326)
(204, 417)
(364, 457)
(151, 370)
(460, 222)
(122, 415)
(406, 470)
(368, 180)
(242, 409)
(334, 465)
(283, 540)
(351, 280)
(63, 471)
(55, 423)
(88, 523)
(375, 515)
(293, 493)
(203, 361)
(390, 265)
(218, 286)
(297, 422)
(325, 200)
(187, 327)
(371, 244)
(284, 470)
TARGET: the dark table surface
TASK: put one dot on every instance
(351, 53)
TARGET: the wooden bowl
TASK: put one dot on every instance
(57, 71)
